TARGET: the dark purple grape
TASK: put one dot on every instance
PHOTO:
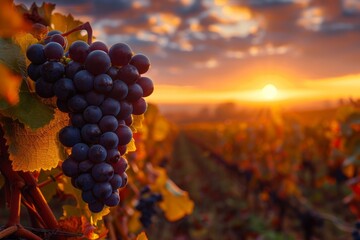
(124, 177)
(116, 181)
(97, 62)
(129, 121)
(78, 51)
(112, 72)
(44, 89)
(79, 152)
(88, 197)
(120, 166)
(120, 54)
(119, 90)
(147, 86)
(90, 133)
(135, 93)
(124, 134)
(72, 68)
(35, 53)
(102, 190)
(113, 155)
(128, 74)
(69, 136)
(103, 83)
(102, 172)
(96, 207)
(53, 51)
(122, 149)
(77, 103)
(49, 34)
(84, 81)
(141, 62)
(108, 123)
(139, 106)
(52, 71)
(34, 71)
(38, 30)
(70, 167)
(64, 88)
(86, 166)
(98, 46)
(126, 109)
(92, 114)
(58, 38)
(109, 140)
(110, 107)
(113, 200)
(62, 105)
(94, 98)
(97, 153)
(85, 182)
(77, 120)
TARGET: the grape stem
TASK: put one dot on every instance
(87, 27)
(50, 180)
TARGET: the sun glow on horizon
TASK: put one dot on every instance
(269, 92)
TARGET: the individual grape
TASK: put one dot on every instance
(85, 182)
(84, 81)
(120, 54)
(35, 53)
(147, 86)
(53, 51)
(97, 62)
(135, 93)
(44, 89)
(58, 38)
(126, 109)
(110, 107)
(70, 167)
(79, 152)
(64, 88)
(122, 149)
(38, 30)
(49, 34)
(141, 62)
(124, 177)
(116, 181)
(97, 153)
(92, 114)
(102, 172)
(88, 197)
(78, 51)
(128, 121)
(96, 207)
(119, 90)
(113, 200)
(77, 103)
(62, 105)
(113, 155)
(120, 166)
(98, 46)
(34, 71)
(109, 140)
(94, 98)
(90, 133)
(108, 123)
(103, 83)
(128, 74)
(72, 68)
(69, 136)
(139, 106)
(86, 166)
(102, 190)
(52, 71)
(77, 120)
(112, 72)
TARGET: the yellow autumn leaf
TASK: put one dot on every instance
(33, 150)
(11, 20)
(142, 236)
(161, 129)
(176, 203)
(137, 123)
(9, 85)
(131, 146)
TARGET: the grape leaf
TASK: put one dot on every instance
(9, 86)
(32, 150)
(131, 146)
(137, 122)
(141, 236)
(11, 20)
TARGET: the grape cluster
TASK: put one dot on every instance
(356, 232)
(146, 205)
(100, 89)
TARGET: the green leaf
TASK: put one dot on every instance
(12, 57)
(30, 111)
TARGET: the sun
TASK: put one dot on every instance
(269, 92)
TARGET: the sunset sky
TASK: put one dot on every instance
(213, 51)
